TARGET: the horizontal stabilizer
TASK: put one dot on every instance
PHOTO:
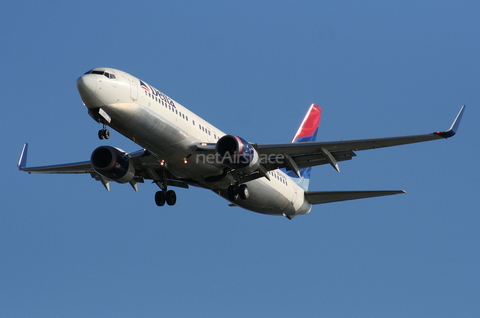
(319, 197)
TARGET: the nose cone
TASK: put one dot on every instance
(87, 85)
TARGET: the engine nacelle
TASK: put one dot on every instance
(237, 153)
(112, 163)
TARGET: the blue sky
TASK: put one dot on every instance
(68, 248)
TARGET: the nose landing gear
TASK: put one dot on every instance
(104, 133)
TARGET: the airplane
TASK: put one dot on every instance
(180, 149)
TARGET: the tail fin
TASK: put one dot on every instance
(306, 132)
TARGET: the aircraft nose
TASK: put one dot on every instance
(87, 85)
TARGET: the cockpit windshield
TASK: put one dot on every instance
(106, 74)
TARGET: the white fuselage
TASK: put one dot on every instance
(171, 132)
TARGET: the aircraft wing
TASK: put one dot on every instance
(308, 154)
(146, 167)
(76, 167)
(67, 168)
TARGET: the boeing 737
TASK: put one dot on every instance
(180, 149)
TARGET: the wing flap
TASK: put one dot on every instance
(310, 160)
(319, 197)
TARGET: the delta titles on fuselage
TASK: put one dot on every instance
(153, 92)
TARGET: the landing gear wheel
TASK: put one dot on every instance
(232, 193)
(104, 134)
(160, 198)
(171, 197)
(243, 191)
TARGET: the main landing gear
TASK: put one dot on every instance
(163, 196)
(170, 197)
(104, 133)
(238, 191)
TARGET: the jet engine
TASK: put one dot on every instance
(112, 163)
(237, 153)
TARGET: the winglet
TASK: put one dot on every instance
(22, 162)
(453, 129)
